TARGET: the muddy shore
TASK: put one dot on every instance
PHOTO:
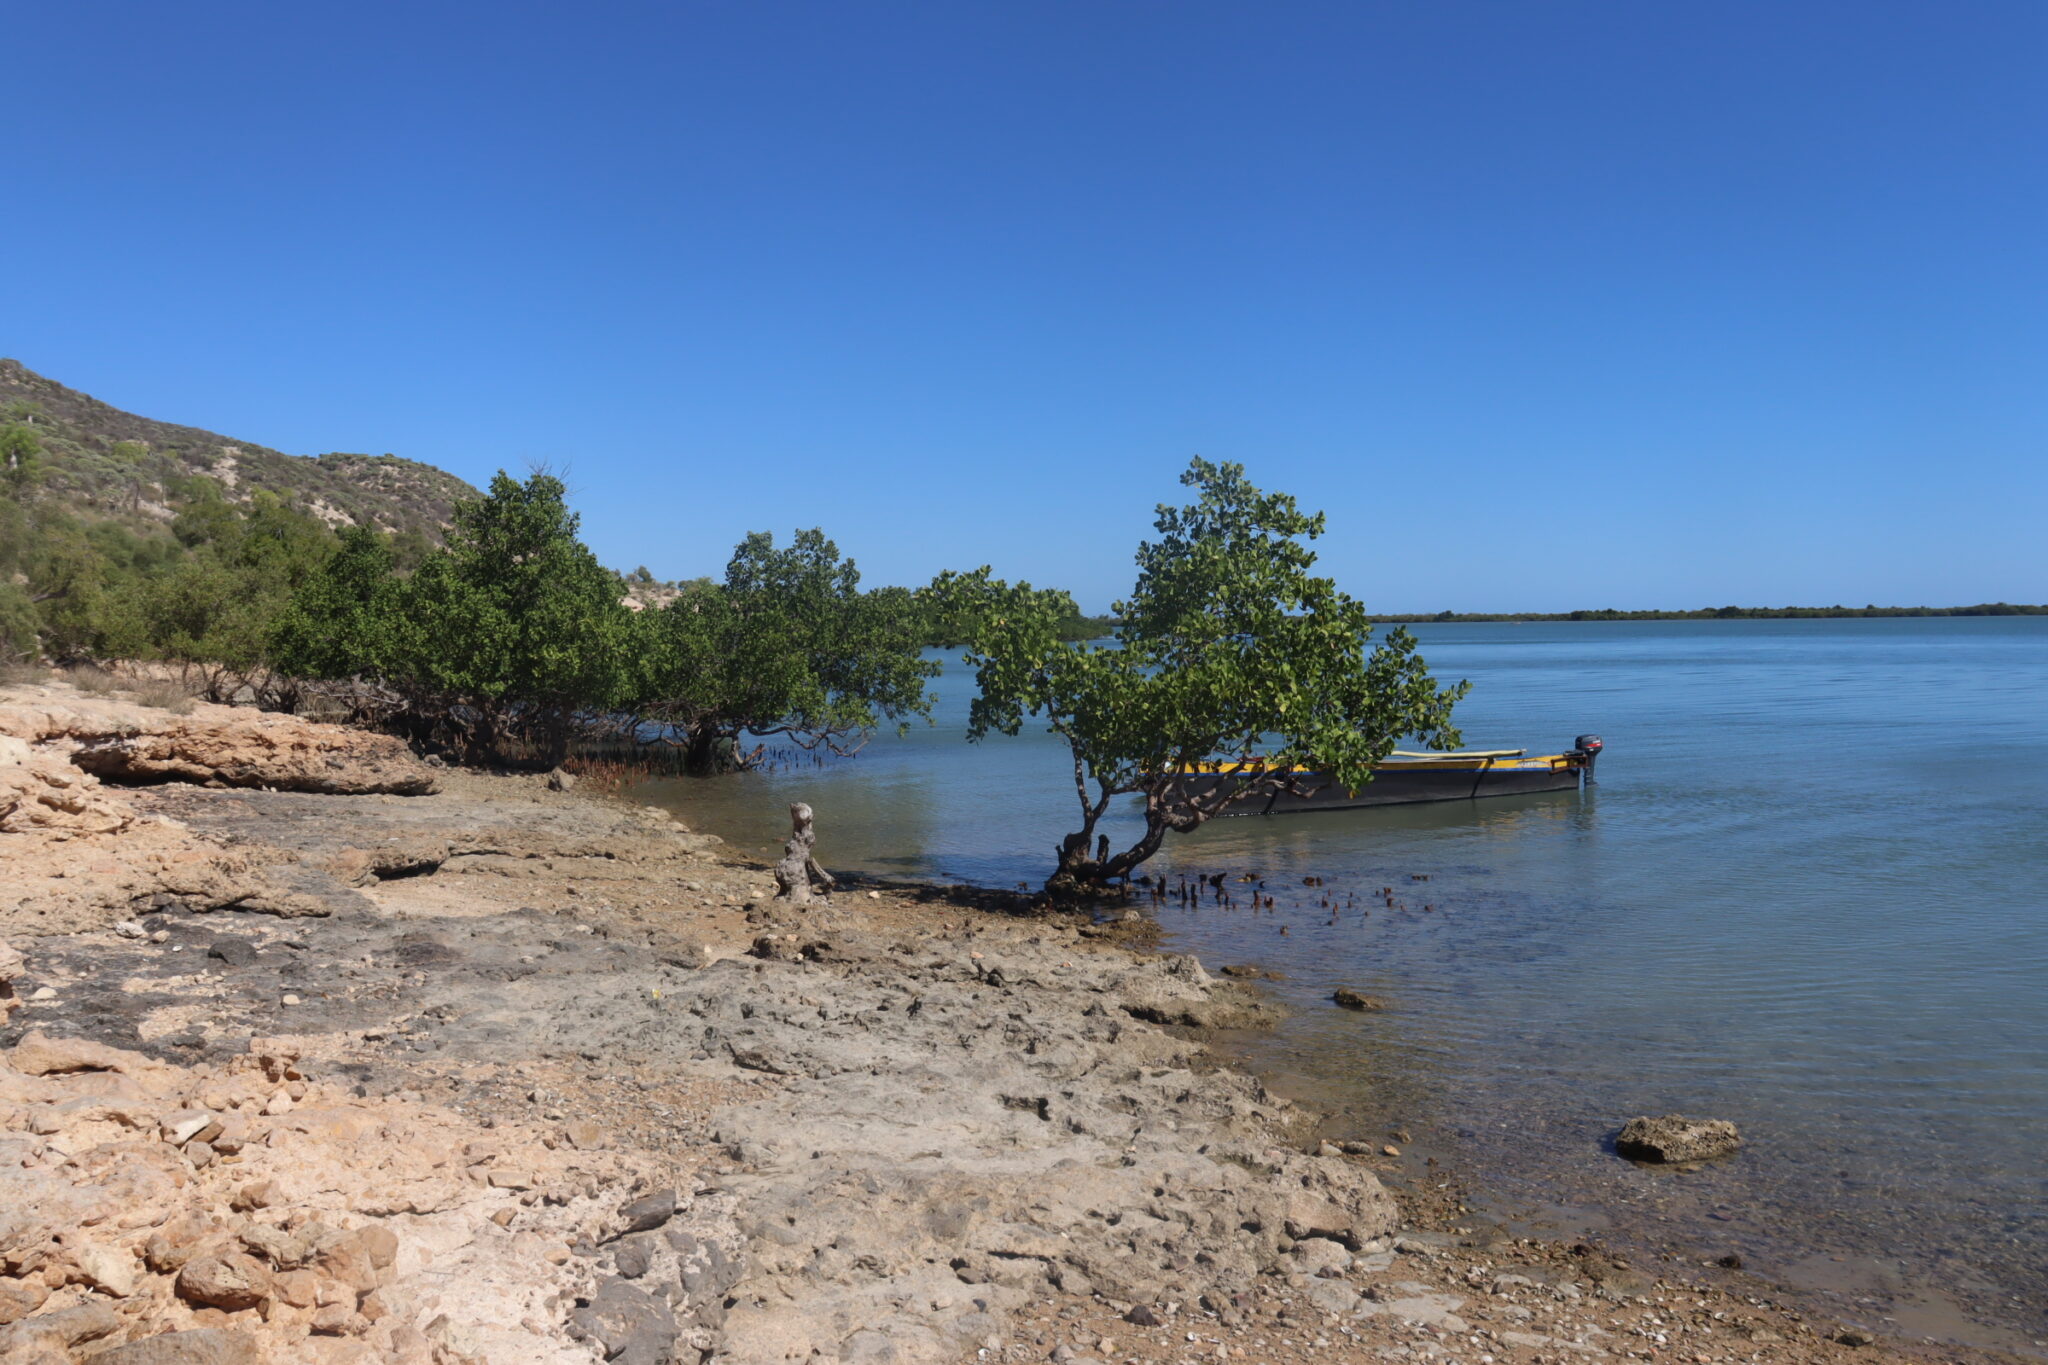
(317, 1053)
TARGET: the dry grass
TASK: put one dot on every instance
(92, 680)
(164, 693)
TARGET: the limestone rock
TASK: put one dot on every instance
(245, 749)
(107, 1269)
(38, 1054)
(649, 1211)
(631, 1325)
(1674, 1138)
(230, 1282)
(11, 967)
(201, 1346)
(42, 791)
(19, 1299)
(48, 1336)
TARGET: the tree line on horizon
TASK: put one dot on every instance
(509, 642)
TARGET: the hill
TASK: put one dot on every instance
(103, 464)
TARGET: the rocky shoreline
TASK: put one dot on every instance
(317, 1053)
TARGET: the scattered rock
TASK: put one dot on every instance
(42, 791)
(48, 1336)
(586, 1136)
(107, 1269)
(1352, 1000)
(38, 1054)
(229, 1282)
(561, 781)
(201, 1346)
(238, 748)
(235, 952)
(691, 953)
(648, 1212)
(18, 1300)
(628, 1323)
(1675, 1138)
(11, 967)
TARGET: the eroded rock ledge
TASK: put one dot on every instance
(234, 747)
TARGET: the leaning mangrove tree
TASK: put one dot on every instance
(1228, 649)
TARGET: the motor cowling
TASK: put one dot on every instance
(1588, 745)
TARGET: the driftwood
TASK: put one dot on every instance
(799, 865)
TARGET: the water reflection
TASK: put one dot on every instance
(1803, 895)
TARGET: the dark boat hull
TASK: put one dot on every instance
(1397, 784)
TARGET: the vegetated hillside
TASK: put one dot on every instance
(101, 463)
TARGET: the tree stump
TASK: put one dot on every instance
(799, 865)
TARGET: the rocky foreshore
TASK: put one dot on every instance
(315, 1052)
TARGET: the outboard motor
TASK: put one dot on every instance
(1589, 747)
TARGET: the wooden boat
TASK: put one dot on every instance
(1406, 777)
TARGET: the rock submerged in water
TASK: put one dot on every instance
(1675, 1138)
(1353, 1000)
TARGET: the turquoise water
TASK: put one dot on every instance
(1809, 893)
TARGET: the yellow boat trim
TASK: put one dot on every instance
(1459, 762)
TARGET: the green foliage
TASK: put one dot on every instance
(506, 632)
(21, 460)
(1228, 648)
(787, 645)
(19, 629)
(339, 624)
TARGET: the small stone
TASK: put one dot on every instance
(1855, 1336)
(338, 1319)
(108, 1270)
(181, 1126)
(585, 1136)
(507, 1179)
(649, 1211)
(633, 1256)
(1352, 1000)
(288, 1000)
(229, 1282)
(257, 1194)
(43, 993)
(1141, 1315)
(200, 1346)
(18, 1299)
(129, 928)
(233, 952)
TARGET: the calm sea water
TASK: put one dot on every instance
(1809, 893)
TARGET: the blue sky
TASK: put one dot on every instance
(1549, 306)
